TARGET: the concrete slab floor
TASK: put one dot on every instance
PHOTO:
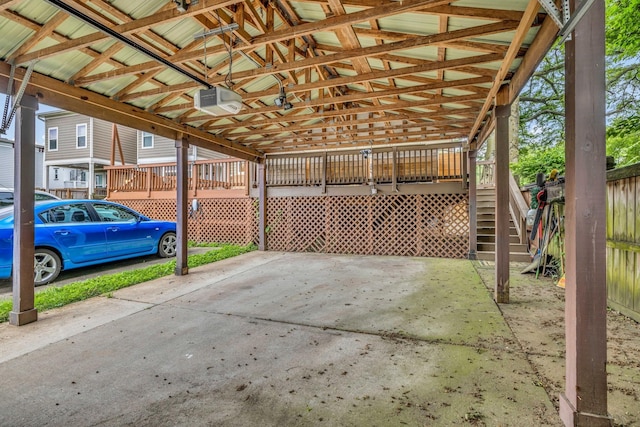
(278, 339)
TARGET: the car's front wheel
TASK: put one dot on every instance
(167, 245)
(46, 266)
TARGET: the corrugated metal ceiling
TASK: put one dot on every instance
(349, 59)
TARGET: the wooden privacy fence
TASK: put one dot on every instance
(623, 240)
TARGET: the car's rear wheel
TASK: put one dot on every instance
(167, 245)
(46, 266)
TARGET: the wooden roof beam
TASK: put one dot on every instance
(435, 114)
(432, 125)
(529, 16)
(58, 94)
(382, 139)
(163, 17)
(316, 60)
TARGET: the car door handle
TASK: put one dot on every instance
(113, 228)
(62, 232)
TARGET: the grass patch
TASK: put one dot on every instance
(59, 296)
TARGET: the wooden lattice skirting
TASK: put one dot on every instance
(431, 225)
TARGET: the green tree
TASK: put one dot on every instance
(623, 140)
(539, 159)
(542, 100)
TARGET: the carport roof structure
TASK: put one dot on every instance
(346, 74)
(354, 73)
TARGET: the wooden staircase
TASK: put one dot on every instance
(486, 245)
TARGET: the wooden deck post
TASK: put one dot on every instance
(23, 311)
(394, 169)
(194, 179)
(501, 294)
(262, 207)
(182, 172)
(324, 172)
(473, 205)
(584, 401)
(149, 180)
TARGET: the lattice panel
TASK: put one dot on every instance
(349, 225)
(395, 226)
(434, 225)
(156, 209)
(443, 225)
(296, 224)
(223, 220)
(216, 220)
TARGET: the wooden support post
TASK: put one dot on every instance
(394, 169)
(324, 172)
(464, 170)
(182, 155)
(501, 294)
(473, 205)
(23, 311)
(262, 207)
(247, 181)
(194, 179)
(149, 180)
(584, 401)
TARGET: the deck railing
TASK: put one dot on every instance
(203, 176)
(485, 173)
(382, 166)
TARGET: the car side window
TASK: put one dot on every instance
(111, 213)
(6, 198)
(66, 214)
(40, 196)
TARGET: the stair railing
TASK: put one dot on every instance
(518, 208)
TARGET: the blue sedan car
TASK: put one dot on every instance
(77, 233)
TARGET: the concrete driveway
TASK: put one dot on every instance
(278, 339)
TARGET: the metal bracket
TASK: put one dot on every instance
(581, 10)
(564, 20)
(8, 118)
(554, 12)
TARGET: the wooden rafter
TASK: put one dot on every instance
(349, 71)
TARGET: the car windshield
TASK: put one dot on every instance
(7, 197)
(6, 212)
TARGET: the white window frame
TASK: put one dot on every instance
(49, 139)
(142, 138)
(79, 135)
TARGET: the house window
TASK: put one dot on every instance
(78, 175)
(53, 139)
(81, 136)
(147, 140)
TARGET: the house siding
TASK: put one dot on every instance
(7, 160)
(102, 137)
(165, 149)
(6, 157)
(205, 154)
(67, 138)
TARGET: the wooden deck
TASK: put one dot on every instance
(237, 178)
